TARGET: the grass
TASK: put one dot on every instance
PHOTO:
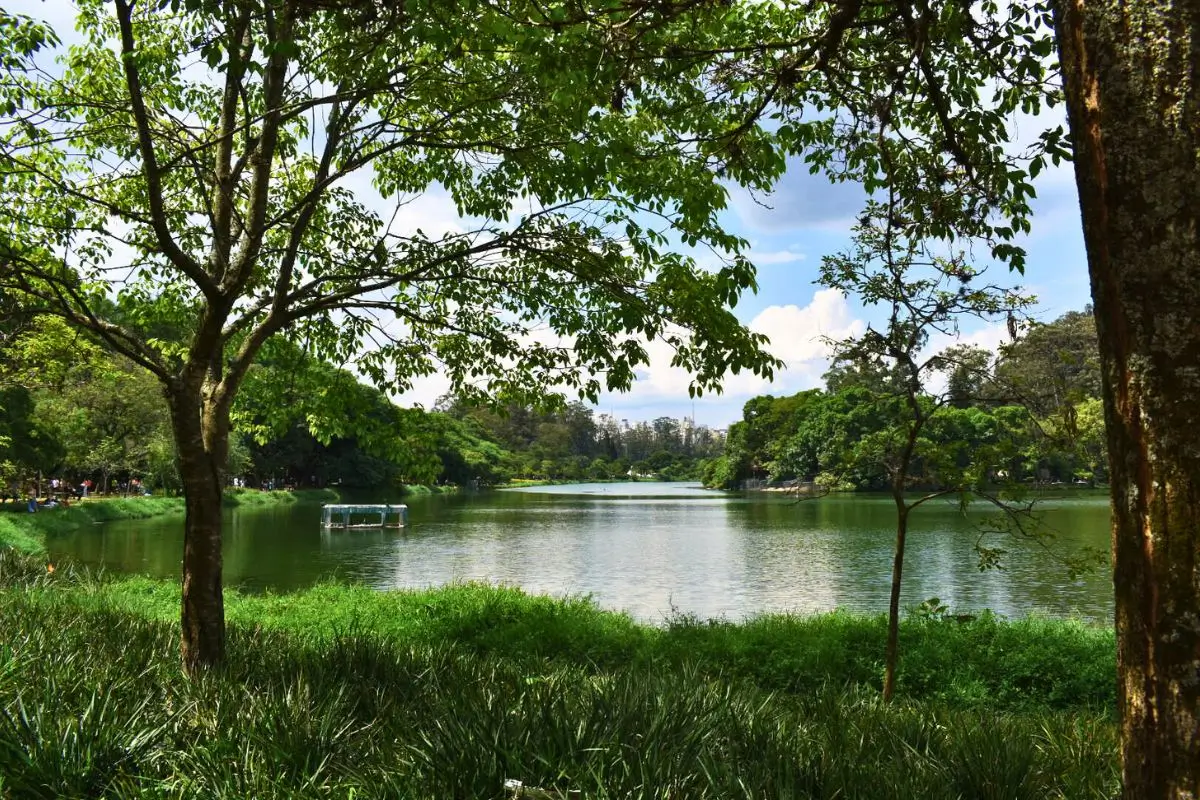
(986, 663)
(421, 489)
(446, 694)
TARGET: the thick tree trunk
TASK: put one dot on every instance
(1131, 71)
(201, 437)
(892, 653)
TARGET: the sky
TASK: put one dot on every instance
(804, 219)
(790, 230)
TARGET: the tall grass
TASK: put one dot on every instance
(985, 663)
(16, 533)
(92, 703)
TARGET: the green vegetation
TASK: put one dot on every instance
(1035, 409)
(981, 663)
(570, 443)
(81, 413)
(447, 693)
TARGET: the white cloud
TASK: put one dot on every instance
(432, 212)
(797, 337)
(425, 391)
(797, 333)
(774, 257)
(988, 337)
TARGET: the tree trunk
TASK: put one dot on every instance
(892, 653)
(201, 438)
(1131, 71)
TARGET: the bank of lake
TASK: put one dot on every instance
(448, 691)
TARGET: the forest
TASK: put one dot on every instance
(1035, 405)
(71, 410)
(213, 191)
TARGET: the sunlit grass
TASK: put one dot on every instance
(985, 663)
(92, 703)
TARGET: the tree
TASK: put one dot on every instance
(107, 416)
(1130, 75)
(1053, 366)
(924, 293)
(941, 80)
(970, 369)
(26, 447)
(186, 216)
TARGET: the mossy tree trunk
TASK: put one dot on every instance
(1131, 71)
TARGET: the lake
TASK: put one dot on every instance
(652, 549)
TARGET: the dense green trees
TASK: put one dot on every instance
(221, 138)
(572, 443)
(604, 108)
(71, 410)
(812, 435)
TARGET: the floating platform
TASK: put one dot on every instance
(367, 515)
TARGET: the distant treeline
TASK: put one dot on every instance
(68, 409)
(1040, 398)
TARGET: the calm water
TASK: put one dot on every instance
(647, 548)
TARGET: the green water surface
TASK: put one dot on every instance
(652, 549)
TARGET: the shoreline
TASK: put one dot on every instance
(25, 532)
(984, 662)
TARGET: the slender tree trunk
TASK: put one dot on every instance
(892, 654)
(1132, 76)
(201, 437)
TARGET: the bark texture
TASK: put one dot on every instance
(1131, 72)
(201, 437)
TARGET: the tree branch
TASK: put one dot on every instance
(166, 242)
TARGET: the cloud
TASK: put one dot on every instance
(433, 211)
(797, 336)
(762, 259)
(425, 391)
(988, 337)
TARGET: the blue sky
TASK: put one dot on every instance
(807, 218)
(790, 230)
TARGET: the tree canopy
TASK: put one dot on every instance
(180, 185)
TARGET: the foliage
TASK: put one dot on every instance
(225, 138)
(983, 412)
(570, 442)
(299, 422)
(977, 662)
(26, 446)
(449, 692)
(310, 254)
(24, 532)
(376, 718)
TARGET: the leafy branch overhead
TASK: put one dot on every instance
(186, 183)
(222, 212)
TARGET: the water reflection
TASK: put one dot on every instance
(648, 548)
